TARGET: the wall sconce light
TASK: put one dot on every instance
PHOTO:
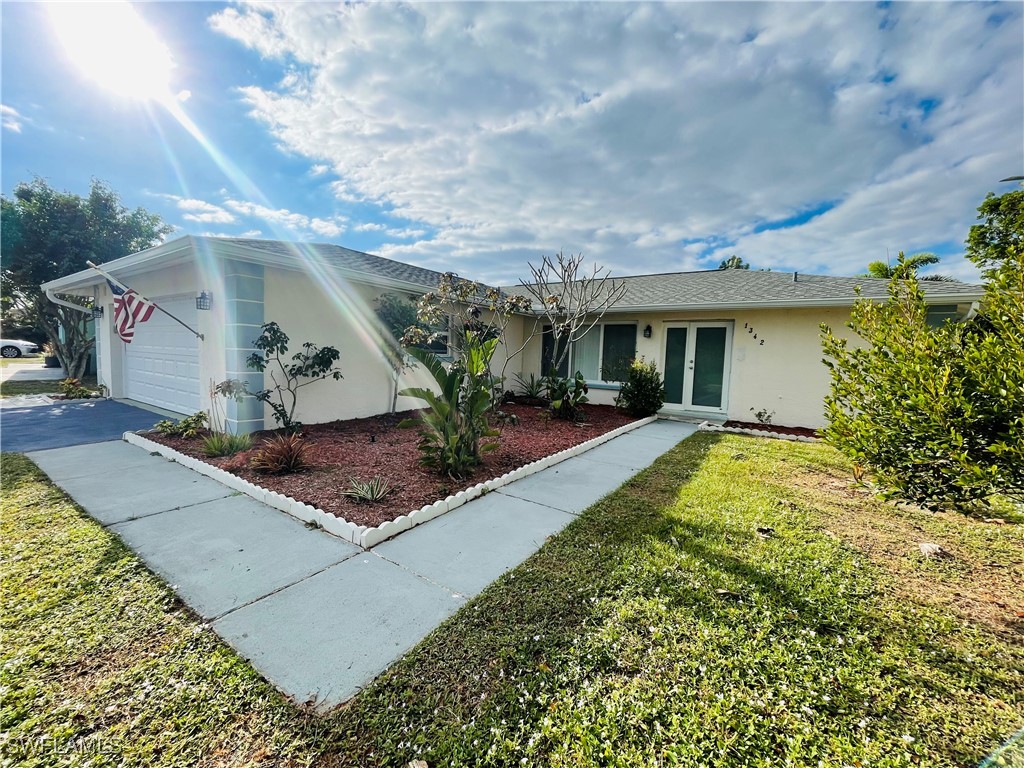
(97, 312)
(204, 300)
(647, 332)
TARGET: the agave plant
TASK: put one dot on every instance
(372, 490)
(455, 419)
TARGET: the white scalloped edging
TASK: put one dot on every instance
(706, 426)
(360, 535)
(333, 525)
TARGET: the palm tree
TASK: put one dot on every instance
(734, 262)
(886, 271)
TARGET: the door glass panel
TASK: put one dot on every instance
(585, 354)
(675, 365)
(618, 352)
(708, 367)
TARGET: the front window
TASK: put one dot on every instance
(602, 355)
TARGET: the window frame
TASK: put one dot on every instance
(445, 334)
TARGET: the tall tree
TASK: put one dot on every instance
(734, 262)
(937, 414)
(1002, 226)
(48, 234)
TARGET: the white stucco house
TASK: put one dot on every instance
(729, 342)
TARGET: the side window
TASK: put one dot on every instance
(938, 314)
(441, 344)
(398, 312)
(547, 355)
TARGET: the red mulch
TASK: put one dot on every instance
(365, 448)
(773, 428)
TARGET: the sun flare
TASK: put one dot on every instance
(110, 44)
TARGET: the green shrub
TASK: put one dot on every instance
(370, 491)
(532, 387)
(281, 455)
(187, 427)
(73, 389)
(566, 395)
(455, 420)
(225, 444)
(936, 414)
(643, 392)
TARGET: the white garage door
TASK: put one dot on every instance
(161, 365)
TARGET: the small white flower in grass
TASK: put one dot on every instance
(908, 738)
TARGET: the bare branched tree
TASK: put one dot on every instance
(571, 298)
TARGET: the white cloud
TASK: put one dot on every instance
(295, 223)
(370, 226)
(200, 210)
(247, 234)
(405, 234)
(319, 169)
(10, 118)
(651, 137)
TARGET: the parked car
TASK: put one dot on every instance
(16, 348)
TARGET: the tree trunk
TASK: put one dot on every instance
(74, 349)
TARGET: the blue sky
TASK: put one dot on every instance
(477, 137)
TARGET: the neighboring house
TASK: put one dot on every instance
(729, 342)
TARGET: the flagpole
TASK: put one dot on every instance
(155, 305)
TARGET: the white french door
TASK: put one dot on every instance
(697, 356)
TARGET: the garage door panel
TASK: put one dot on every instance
(162, 362)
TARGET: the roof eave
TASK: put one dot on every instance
(240, 252)
(184, 248)
(131, 264)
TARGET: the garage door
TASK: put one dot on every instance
(162, 362)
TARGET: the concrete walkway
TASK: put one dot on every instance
(319, 617)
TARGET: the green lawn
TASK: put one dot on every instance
(35, 359)
(659, 629)
(12, 388)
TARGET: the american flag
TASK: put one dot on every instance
(129, 309)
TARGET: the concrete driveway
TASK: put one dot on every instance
(30, 370)
(58, 425)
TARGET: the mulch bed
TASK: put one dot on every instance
(773, 428)
(365, 448)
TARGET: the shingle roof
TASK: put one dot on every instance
(739, 287)
(340, 257)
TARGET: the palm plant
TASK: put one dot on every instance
(455, 420)
(886, 271)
